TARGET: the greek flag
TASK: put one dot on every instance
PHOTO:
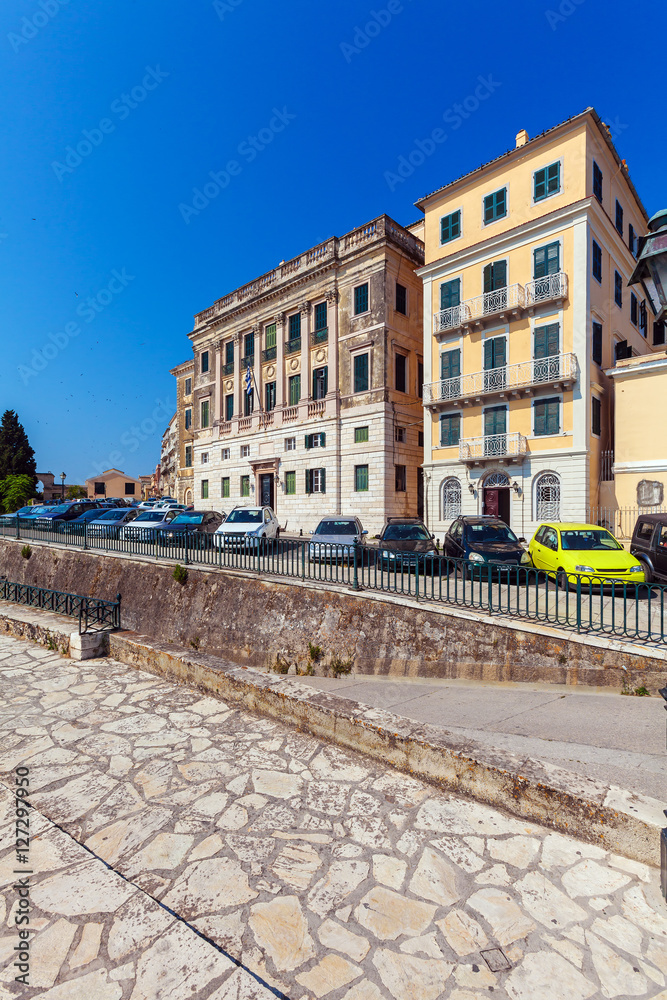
(248, 380)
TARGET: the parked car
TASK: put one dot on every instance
(109, 522)
(199, 525)
(20, 513)
(335, 537)
(62, 512)
(405, 545)
(567, 552)
(247, 525)
(486, 541)
(77, 526)
(143, 527)
(649, 546)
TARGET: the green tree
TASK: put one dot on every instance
(76, 492)
(15, 491)
(16, 456)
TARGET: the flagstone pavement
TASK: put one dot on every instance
(184, 848)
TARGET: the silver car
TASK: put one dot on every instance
(143, 528)
(109, 522)
(335, 537)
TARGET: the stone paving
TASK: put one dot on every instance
(184, 848)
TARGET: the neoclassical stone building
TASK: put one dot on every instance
(331, 346)
(184, 375)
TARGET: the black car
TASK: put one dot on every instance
(406, 545)
(62, 512)
(649, 545)
(198, 525)
(486, 541)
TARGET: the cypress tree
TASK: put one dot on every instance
(16, 456)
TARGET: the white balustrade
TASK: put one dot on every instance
(510, 378)
(506, 445)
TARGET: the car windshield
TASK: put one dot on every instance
(336, 528)
(588, 541)
(188, 519)
(39, 510)
(245, 517)
(111, 515)
(406, 533)
(150, 516)
(62, 508)
(490, 533)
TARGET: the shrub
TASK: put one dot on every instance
(26, 551)
(180, 574)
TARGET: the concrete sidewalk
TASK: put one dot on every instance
(593, 732)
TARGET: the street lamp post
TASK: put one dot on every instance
(651, 266)
(63, 477)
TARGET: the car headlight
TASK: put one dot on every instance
(525, 559)
(584, 569)
(476, 557)
(636, 569)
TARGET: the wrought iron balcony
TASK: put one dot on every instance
(319, 336)
(249, 360)
(511, 299)
(269, 354)
(559, 370)
(509, 447)
(292, 346)
(227, 369)
(550, 288)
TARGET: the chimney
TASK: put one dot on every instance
(521, 138)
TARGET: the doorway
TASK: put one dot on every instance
(266, 490)
(496, 497)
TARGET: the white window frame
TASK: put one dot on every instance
(535, 484)
(558, 160)
(245, 451)
(507, 204)
(447, 242)
(316, 480)
(445, 516)
(203, 457)
(290, 444)
(225, 454)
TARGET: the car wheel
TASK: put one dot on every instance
(463, 571)
(563, 581)
(648, 572)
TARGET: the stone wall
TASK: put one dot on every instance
(275, 623)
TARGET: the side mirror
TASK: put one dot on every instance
(432, 536)
(311, 532)
(376, 536)
(522, 539)
(364, 532)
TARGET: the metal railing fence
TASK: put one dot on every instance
(623, 610)
(94, 615)
(620, 521)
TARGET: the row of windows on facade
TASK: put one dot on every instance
(546, 497)
(546, 183)
(546, 261)
(638, 310)
(360, 305)
(360, 383)
(315, 481)
(316, 440)
(547, 420)
(101, 489)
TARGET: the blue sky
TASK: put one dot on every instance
(303, 110)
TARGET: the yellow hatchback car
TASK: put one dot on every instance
(570, 551)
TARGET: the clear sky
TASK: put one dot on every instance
(114, 111)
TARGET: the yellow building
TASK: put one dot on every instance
(640, 458)
(527, 260)
(184, 469)
(114, 483)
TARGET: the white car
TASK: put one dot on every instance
(247, 525)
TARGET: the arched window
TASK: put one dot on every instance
(188, 497)
(547, 497)
(496, 479)
(451, 499)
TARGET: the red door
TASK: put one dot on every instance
(491, 501)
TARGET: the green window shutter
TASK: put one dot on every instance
(540, 418)
(323, 479)
(308, 441)
(539, 262)
(323, 440)
(552, 339)
(321, 316)
(540, 184)
(553, 258)
(309, 481)
(488, 278)
(546, 341)
(494, 420)
(499, 344)
(271, 336)
(488, 354)
(450, 293)
(500, 274)
(540, 342)
(450, 364)
(553, 178)
(552, 416)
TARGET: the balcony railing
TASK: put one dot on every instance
(511, 298)
(546, 289)
(292, 346)
(226, 427)
(493, 446)
(266, 418)
(269, 354)
(290, 413)
(316, 408)
(227, 369)
(249, 360)
(319, 336)
(558, 369)
(245, 423)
